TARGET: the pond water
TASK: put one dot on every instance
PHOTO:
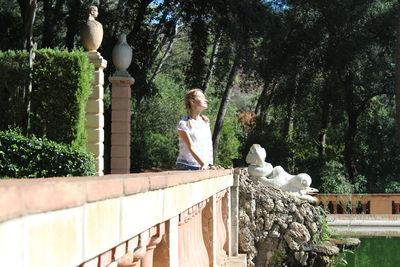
(375, 252)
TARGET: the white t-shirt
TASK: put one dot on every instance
(200, 134)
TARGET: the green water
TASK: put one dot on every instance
(375, 252)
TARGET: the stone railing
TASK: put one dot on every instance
(360, 203)
(175, 218)
(362, 214)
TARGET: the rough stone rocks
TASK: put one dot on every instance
(296, 235)
(346, 243)
(327, 249)
(275, 225)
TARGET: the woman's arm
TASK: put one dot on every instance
(192, 148)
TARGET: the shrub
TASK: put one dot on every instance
(229, 145)
(60, 90)
(154, 137)
(13, 78)
(334, 180)
(39, 157)
(161, 151)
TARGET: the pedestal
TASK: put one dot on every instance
(94, 125)
(121, 123)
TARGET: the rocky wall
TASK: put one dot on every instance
(278, 229)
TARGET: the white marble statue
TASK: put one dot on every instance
(264, 172)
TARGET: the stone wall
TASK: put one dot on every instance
(105, 220)
(277, 229)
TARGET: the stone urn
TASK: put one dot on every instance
(91, 35)
(122, 55)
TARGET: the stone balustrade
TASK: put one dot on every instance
(174, 218)
(360, 203)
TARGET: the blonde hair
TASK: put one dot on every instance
(191, 95)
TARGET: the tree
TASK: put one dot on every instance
(28, 13)
(397, 78)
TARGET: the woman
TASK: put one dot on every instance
(195, 144)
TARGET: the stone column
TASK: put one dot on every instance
(234, 248)
(121, 123)
(94, 112)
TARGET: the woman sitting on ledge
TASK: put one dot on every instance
(195, 144)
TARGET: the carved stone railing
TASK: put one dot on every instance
(175, 218)
(360, 203)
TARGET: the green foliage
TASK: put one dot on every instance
(278, 258)
(10, 21)
(340, 259)
(379, 157)
(161, 151)
(229, 143)
(13, 79)
(231, 138)
(59, 94)
(39, 157)
(154, 137)
(392, 187)
(334, 180)
(325, 231)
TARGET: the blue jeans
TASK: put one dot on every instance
(183, 167)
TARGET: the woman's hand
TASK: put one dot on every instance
(204, 167)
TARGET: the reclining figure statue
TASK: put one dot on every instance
(264, 172)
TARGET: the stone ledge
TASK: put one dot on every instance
(236, 261)
(386, 217)
(29, 196)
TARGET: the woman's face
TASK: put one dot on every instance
(200, 101)
(94, 12)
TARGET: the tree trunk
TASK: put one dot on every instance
(140, 87)
(51, 12)
(350, 143)
(349, 153)
(141, 11)
(326, 108)
(169, 32)
(397, 81)
(265, 99)
(291, 104)
(48, 24)
(165, 56)
(198, 36)
(211, 64)
(28, 13)
(224, 104)
(72, 24)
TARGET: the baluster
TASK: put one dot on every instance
(133, 258)
(190, 248)
(221, 230)
(354, 207)
(182, 232)
(203, 250)
(397, 208)
(147, 260)
(200, 256)
(334, 206)
(364, 207)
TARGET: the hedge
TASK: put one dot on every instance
(21, 157)
(60, 90)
